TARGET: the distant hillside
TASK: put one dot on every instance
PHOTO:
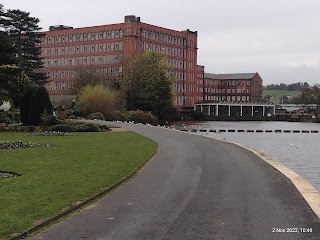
(277, 94)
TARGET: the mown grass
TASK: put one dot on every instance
(277, 94)
(72, 169)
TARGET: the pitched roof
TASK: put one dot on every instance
(230, 76)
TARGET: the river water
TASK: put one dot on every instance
(299, 152)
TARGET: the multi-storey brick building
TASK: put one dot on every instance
(64, 49)
(239, 87)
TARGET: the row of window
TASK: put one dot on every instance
(199, 98)
(109, 71)
(226, 83)
(77, 61)
(228, 98)
(80, 49)
(59, 85)
(162, 37)
(199, 81)
(83, 37)
(163, 49)
(214, 90)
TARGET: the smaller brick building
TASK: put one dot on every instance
(235, 87)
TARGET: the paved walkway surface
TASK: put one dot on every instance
(195, 188)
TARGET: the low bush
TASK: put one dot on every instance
(139, 116)
(96, 115)
(65, 114)
(87, 127)
(117, 116)
(75, 127)
(63, 128)
(104, 128)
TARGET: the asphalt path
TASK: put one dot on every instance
(195, 188)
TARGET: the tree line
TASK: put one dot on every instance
(290, 87)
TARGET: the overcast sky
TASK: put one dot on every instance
(279, 39)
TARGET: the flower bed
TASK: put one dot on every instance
(50, 133)
(20, 144)
(4, 175)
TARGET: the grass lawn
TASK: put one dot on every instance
(277, 94)
(72, 169)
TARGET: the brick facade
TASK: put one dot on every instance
(240, 87)
(64, 49)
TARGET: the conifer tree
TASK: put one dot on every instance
(23, 31)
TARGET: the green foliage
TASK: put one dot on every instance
(23, 29)
(311, 96)
(3, 117)
(139, 116)
(35, 102)
(90, 76)
(13, 82)
(7, 49)
(75, 127)
(65, 114)
(197, 115)
(147, 84)
(96, 98)
(96, 115)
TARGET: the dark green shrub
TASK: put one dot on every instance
(65, 114)
(117, 116)
(197, 115)
(75, 127)
(87, 127)
(31, 128)
(62, 128)
(104, 128)
(35, 101)
(96, 115)
(139, 116)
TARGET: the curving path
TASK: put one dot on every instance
(195, 188)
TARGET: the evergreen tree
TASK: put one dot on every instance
(7, 50)
(35, 102)
(13, 82)
(23, 31)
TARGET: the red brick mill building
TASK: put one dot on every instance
(64, 49)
